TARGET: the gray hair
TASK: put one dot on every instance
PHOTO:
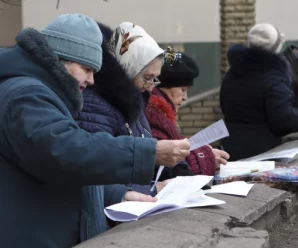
(159, 57)
(65, 62)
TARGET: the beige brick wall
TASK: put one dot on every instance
(195, 117)
(236, 18)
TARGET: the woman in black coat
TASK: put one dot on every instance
(256, 96)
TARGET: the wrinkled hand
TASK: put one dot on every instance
(221, 157)
(171, 152)
(136, 196)
(160, 185)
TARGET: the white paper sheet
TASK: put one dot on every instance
(181, 192)
(243, 167)
(182, 188)
(214, 132)
(239, 188)
(201, 200)
(289, 153)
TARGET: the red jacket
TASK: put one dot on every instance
(161, 115)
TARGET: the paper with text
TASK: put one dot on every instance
(181, 192)
(214, 132)
(180, 189)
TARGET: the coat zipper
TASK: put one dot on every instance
(130, 133)
(148, 132)
(87, 230)
(145, 130)
(129, 129)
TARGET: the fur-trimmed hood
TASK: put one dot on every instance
(160, 102)
(245, 60)
(32, 57)
(113, 84)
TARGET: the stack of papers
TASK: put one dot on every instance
(275, 155)
(181, 192)
(242, 168)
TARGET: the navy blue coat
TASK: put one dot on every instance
(257, 102)
(115, 106)
(45, 158)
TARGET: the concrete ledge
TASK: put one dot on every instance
(215, 227)
(244, 238)
(261, 200)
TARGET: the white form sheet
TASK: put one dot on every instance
(214, 132)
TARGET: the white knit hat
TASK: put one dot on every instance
(265, 36)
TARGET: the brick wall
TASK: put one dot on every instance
(236, 18)
(200, 113)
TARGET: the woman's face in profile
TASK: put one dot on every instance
(146, 80)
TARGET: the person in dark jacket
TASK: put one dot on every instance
(45, 158)
(114, 104)
(177, 76)
(291, 56)
(256, 96)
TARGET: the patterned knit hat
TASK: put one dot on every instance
(76, 38)
(178, 70)
(265, 36)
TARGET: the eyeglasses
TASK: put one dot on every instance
(148, 83)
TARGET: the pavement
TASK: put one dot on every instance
(284, 235)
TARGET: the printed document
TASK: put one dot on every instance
(181, 192)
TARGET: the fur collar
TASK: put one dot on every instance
(61, 82)
(113, 84)
(291, 56)
(158, 102)
(244, 60)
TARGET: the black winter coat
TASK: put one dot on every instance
(257, 102)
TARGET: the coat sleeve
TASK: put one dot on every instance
(114, 194)
(280, 107)
(202, 161)
(46, 143)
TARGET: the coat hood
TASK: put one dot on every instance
(245, 60)
(33, 57)
(113, 84)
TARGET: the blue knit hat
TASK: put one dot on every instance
(76, 38)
